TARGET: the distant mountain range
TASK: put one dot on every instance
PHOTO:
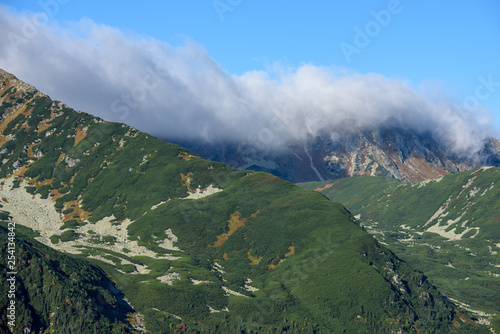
(193, 245)
(389, 151)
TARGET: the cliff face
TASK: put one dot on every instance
(390, 151)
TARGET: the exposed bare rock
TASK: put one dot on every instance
(390, 151)
(71, 162)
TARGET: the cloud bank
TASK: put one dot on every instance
(180, 93)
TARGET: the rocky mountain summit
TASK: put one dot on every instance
(389, 151)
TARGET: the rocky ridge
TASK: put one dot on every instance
(388, 151)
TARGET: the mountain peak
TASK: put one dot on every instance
(8, 79)
(390, 151)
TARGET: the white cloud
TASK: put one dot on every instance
(181, 93)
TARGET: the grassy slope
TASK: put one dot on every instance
(59, 292)
(315, 268)
(396, 212)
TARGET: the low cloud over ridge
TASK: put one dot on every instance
(180, 93)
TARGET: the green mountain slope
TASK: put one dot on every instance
(60, 294)
(198, 246)
(447, 227)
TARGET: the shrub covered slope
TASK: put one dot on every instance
(448, 228)
(198, 246)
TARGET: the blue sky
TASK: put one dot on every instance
(452, 41)
(453, 45)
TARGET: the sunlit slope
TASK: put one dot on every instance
(447, 227)
(197, 245)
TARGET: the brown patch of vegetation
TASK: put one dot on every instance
(73, 178)
(131, 319)
(464, 318)
(6, 87)
(254, 260)
(225, 257)
(325, 187)
(5, 121)
(25, 126)
(3, 140)
(234, 223)
(20, 172)
(43, 125)
(30, 152)
(38, 184)
(185, 156)
(253, 215)
(26, 111)
(55, 194)
(186, 181)
(275, 263)
(61, 157)
(5, 200)
(80, 134)
(78, 213)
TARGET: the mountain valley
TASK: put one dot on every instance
(446, 227)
